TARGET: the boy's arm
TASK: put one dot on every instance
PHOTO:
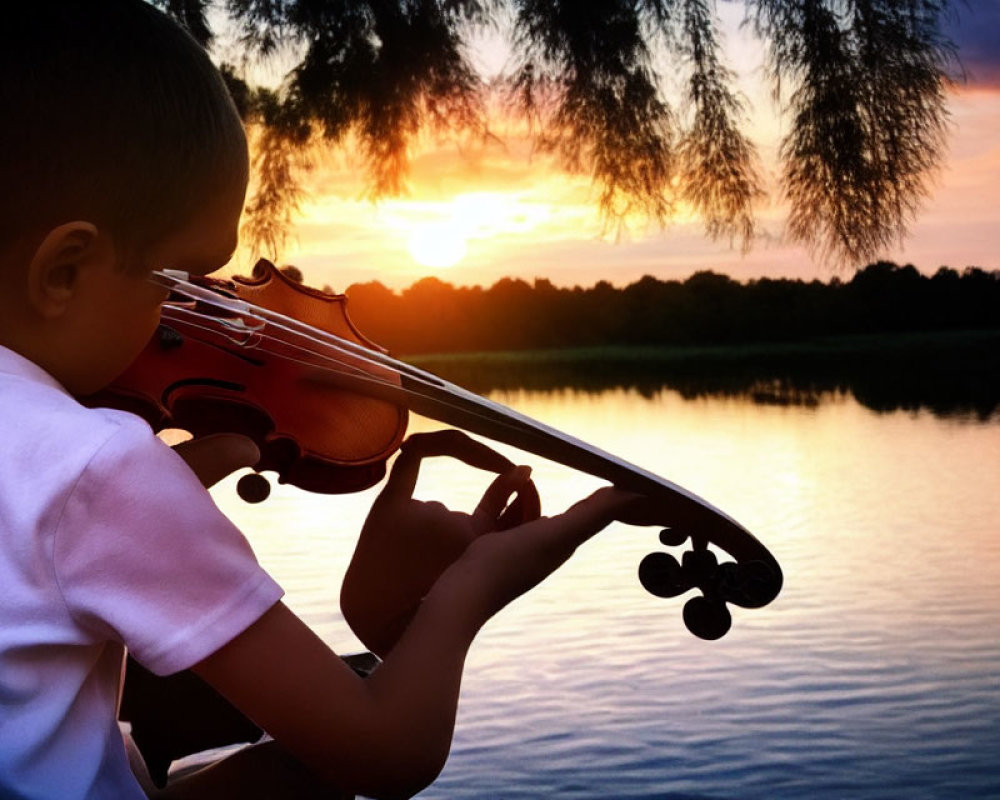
(389, 735)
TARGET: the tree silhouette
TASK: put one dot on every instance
(707, 308)
(862, 82)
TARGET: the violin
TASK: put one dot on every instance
(216, 365)
(283, 364)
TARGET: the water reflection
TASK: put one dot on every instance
(875, 673)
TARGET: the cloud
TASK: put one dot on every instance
(974, 27)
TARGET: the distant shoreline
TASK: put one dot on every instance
(708, 314)
(970, 343)
(949, 372)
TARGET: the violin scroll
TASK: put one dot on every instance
(749, 584)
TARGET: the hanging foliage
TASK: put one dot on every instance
(862, 83)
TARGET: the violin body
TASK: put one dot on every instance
(212, 379)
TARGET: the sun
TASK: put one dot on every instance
(440, 235)
(437, 244)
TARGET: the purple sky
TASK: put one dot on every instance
(974, 26)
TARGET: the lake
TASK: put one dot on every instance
(875, 674)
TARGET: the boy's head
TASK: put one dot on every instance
(112, 114)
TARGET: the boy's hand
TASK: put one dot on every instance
(214, 457)
(406, 544)
(499, 567)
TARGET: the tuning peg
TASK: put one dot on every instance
(253, 487)
(660, 574)
(707, 619)
(700, 565)
(671, 537)
(749, 584)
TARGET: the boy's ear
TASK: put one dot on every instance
(55, 270)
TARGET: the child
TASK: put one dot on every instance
(120, 153)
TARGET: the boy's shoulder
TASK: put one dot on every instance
(41, 420)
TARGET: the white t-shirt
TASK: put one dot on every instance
(107, 541)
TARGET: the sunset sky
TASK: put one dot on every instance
(477, 213)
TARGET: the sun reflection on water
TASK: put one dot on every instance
(874, 674)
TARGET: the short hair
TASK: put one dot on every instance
(112, 113)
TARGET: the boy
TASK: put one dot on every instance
(121, 153)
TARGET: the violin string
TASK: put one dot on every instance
(244, 308)
(260, 336)
(359, 375)
(329, 340)
(488, 413)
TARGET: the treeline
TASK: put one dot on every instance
(708, 308)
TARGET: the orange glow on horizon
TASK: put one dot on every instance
(500, 210)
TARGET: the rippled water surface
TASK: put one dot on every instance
(875, 674)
